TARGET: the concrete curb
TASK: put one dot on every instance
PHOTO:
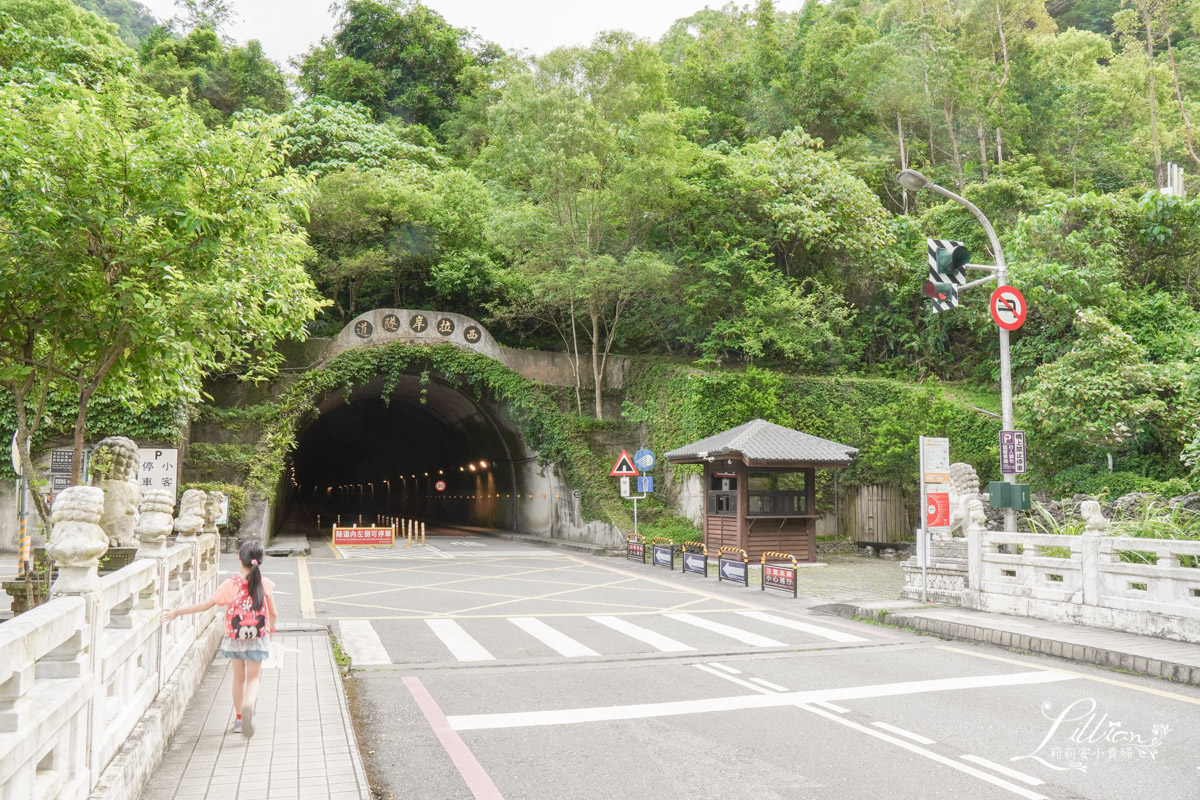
(1153, 667)
(289, 546)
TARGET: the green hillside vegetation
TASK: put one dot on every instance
(723, 200)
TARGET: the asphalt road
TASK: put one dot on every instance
(487, 669)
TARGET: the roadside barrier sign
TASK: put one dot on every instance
(734, 568)
(695, 558)
(779, 576)
(635, 547)
(662, 553)
(356, 536)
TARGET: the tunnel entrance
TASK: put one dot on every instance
(384, 454)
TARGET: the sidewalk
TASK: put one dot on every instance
(1142, 655)
(303, 745)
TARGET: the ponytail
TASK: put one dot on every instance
(251, 555)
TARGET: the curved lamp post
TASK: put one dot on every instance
(914, 181)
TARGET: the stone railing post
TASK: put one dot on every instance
(976, 529)
(76, 544)
(1089, 546)
(188, 526)
(153, 527)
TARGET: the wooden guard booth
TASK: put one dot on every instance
(759, 486)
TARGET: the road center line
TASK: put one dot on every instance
(307, 609)
(731, 679)
(568, 716)
(472, 772)
(949, 762)
(1003, 770)
(916, 737)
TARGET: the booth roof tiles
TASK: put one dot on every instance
(759, 441)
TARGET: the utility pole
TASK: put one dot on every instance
(914, 181)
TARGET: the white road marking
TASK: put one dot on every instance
(559, 642)
(992, 779)
(770, 685)
(458, 641)
(916, 737)
(815, 630)
(362, 644)
(745, 637)
(730, 670)
(832, 707)
(1003, 770)
(730, 678)
(523, 719)
(664, 644)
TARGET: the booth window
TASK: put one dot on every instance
(722, 494)
(777, 494)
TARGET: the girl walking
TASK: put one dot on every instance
(249, 622)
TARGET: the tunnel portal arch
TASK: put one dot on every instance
(374, 428)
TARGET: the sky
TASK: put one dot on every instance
(287, 28)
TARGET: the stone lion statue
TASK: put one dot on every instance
(212, 511)
(115, 470)
(190, 522)
(76, 539)
(964, 487)
(154, 523)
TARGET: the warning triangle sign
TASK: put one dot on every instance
(624, 466)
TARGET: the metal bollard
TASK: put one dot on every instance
(408, 525)
(422, 534)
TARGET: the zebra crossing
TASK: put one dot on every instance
(445, 551)
(486, 639)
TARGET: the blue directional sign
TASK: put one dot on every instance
(663, 555)
(695, 562)
(733, 570)
(644, 459)
(645, 484)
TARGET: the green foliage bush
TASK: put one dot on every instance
(1099, 482)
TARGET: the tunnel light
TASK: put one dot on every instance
(440, 472)
(426, 474)
(461, 469)
(483, 465)
(471, 467)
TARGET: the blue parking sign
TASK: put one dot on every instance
(645, 484)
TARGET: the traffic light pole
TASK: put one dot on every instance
(912, 180)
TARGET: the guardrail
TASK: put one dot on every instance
(1084, 579)
(635, 547)
(775, 576)
(79, 673)
(662, 552)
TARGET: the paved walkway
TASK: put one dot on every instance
(303, 745)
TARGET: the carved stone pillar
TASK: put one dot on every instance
(76, 540)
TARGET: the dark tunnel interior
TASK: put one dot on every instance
(362, 457)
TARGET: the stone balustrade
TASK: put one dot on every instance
(92, 684)
(1025, 574)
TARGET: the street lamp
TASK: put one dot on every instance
(914, 181)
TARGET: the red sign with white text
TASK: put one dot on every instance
(361, 536)
(937, 509)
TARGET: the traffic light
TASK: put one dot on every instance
(952, 258)
(947, 271)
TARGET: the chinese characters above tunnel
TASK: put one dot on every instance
(384, 325)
